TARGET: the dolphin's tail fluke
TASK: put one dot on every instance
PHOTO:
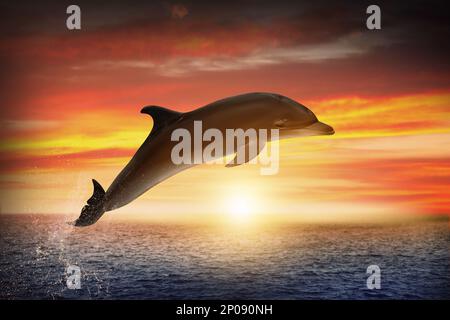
(94, 208)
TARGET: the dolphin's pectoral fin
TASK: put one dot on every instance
(246, 153)
(161, 116)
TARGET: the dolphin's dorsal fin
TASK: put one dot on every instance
(161, 116)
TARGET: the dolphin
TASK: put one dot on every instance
(152, 162)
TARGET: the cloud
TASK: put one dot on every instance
(61, 162)
(339, 49)
(25, 125)
(174, 67)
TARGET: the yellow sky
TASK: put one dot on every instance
(389, 158)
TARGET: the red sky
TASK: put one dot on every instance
(71, 100)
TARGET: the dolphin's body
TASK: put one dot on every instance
(152, 162)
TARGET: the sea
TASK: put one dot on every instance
(148, 260)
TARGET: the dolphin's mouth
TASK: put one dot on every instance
(316, 129)
(320, 128)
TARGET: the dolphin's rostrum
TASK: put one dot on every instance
(152, 162)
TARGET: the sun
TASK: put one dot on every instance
(240, 208)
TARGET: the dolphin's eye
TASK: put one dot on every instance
(280, 123)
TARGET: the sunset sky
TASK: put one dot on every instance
(71, 101)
